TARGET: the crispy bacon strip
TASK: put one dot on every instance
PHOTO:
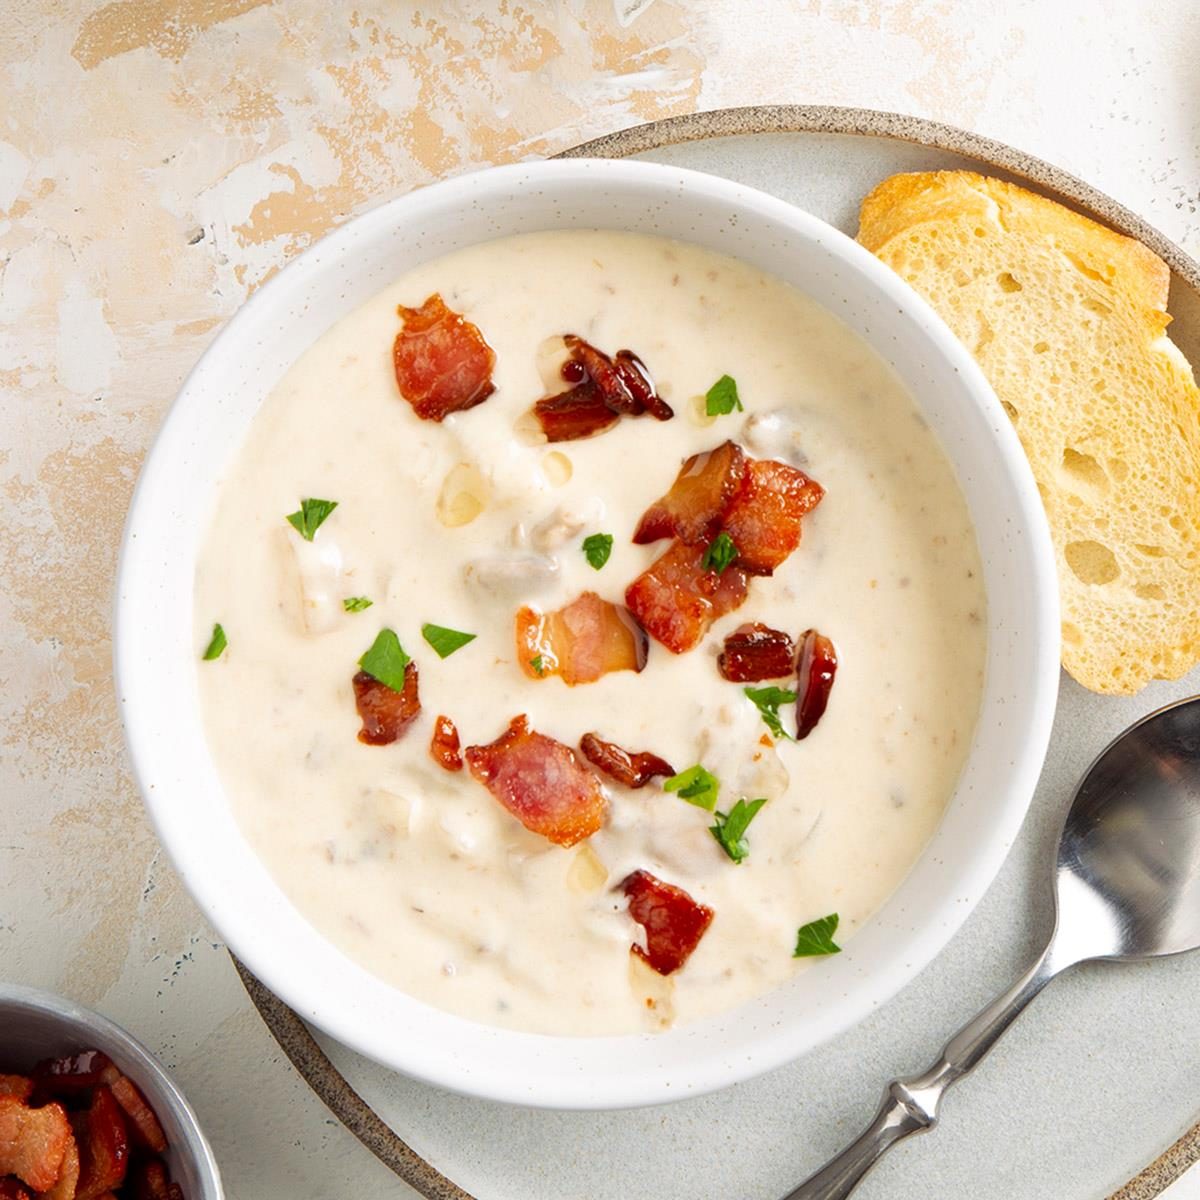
(33, 1142)
(541, 782)
(605, 390)
(673, 921)
(578, 413)
(675, 600)
(698, 500)
(442, 362)
(765, 516)
(385, 712)
(818, 667)
(756, 651)
(143, 1124)
(151, 1181)
(444, 745)
(103, 1146)
(583, 641)
(634, 769)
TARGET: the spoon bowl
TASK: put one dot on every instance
(1129, 854)
(1127, 887)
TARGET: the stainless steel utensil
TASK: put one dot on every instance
(1127, 886)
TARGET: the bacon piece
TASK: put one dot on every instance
(633, 769)
(623, 380)
(442, 362)
(764, 518)
(541, 782)
(33, 1142)
(386, 713)
(818, 666)
(605, 389)
(675, 599)
(444, 745)
(73, 1074)
(20, 1086)
(151, 1181)
(756, 651)
(143, 1124)
(578, 413)
(673, 921)
(588, 638)
(698, 500)
(68, 1175)
(103, 1146)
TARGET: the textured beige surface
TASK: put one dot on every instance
(158, 160)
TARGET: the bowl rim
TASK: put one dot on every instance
(141, 1060)
(977, 868)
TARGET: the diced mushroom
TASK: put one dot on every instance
(508, 575)
(776, 434)
(567, 521)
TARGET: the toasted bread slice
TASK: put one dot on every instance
(1067, 320)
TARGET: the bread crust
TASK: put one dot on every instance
(1067, 318)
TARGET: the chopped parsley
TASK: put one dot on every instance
(356, 603)
(310, 517)
(386, 660)
(767, 700)
(816, 938)
(536, 664)
(216, 647)
(730, 829)
(597, 547)
(695, 785)
(722, 398)
(720, 553)
(445, 641)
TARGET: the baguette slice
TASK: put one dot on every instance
(1067, 320)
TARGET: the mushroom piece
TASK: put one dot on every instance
(511, 574)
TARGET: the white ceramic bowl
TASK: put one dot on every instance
(156, 658)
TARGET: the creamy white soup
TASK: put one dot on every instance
(532, 888)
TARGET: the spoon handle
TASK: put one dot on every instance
(910, 1105)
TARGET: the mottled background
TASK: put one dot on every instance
(160, 160)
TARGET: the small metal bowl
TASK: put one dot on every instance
(36, 1025)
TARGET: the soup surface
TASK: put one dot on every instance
(430, 877)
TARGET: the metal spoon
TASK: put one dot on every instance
(1127, 886)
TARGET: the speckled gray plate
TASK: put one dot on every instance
(1088, 1087)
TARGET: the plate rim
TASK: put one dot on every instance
(285, 1026)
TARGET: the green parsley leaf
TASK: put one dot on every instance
(730, 829)
(816, 938)
(386, 660)
(722, 398)
(445, 641)
(597, 547)
(310, 517)
(695, 785)
(767, 700)
(720, 553)
(356, 603)
(216, 647)
(536, 664)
